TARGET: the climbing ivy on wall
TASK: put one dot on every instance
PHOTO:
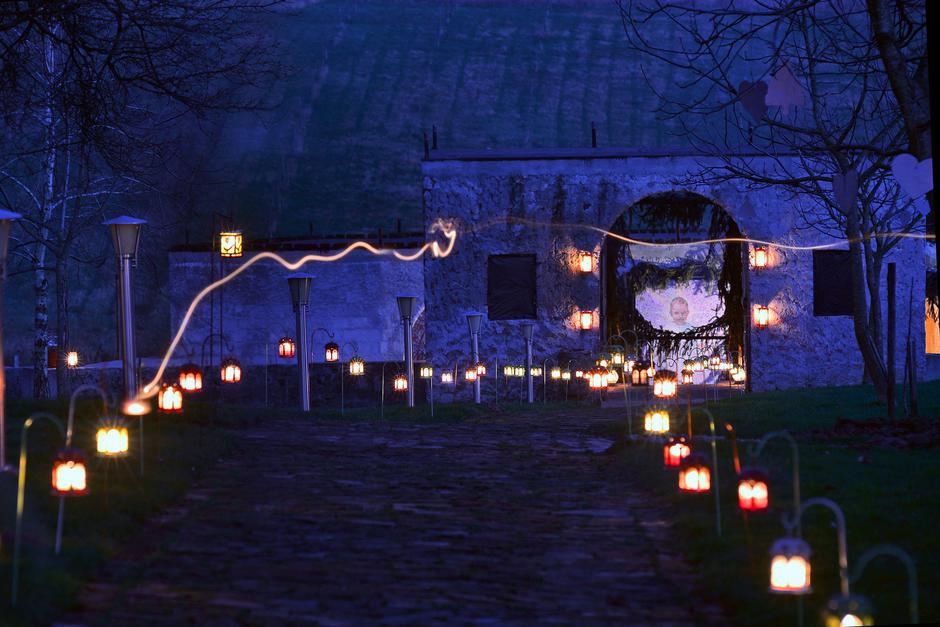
(676, 214)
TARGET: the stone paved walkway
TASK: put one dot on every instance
(508, 520)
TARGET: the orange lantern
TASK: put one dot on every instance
(586, 262)
(656, 421)
(664, 385)
(753, 494)
(694, 475)
(331, 352)
(111, 439)
(400, 383)
(761, 317)
(190, 378)
(597, 379)
(586, 320)
(760, 258)
(230, 244)
(579, 374)
(789, 566)
(481, 369)
(231, 371)
(286, 348)
(688, 377)
(357, 367)
(471, 373)
(71, 359)
(675, 450)
(69, 477)
(170, 399)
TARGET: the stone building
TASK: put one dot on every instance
(548, 206)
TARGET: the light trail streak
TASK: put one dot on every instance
(435, 248)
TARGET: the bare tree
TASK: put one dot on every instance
(94, 95)
(832, 128)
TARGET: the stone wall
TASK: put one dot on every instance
(557, 206)
(354, 299)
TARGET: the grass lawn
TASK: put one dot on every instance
(887, 494)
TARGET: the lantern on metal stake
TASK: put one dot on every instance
(789, 566)
(190, 378)
(753, 493)
(286, 349)
(675, 450)
(111, 438)
(69, 476)
(231, 370)
(694, 474)
(331, 352)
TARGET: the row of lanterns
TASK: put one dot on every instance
(790, 569)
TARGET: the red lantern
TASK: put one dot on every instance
(597, 379)
(231, 371)
(471, 374)
(286, 348)
(694, 474)
(69, 477)
(170, 399)
(191, 378)
(481, 369)
(586, 320)
(331, 352)
(400, 383)
(753, 493)
(675, 451)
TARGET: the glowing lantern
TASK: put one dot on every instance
(699, 365)
(688, 377)
(694, 475)
(612, 377)
(597, 379)
(738, 374)
(789, 566)
(850, 611)
(509, 371)
(760, 258)
(616, 357)
(715, 362)
(603, 361)
(579, 374)
(586, 320)
(675, 450)
(753, 494)
(481, 369)
(286, 348)
(566, 375)
(656, 421)
(190, 378)
(230, 244)
(447, 377)
(357, 367)
(650, 372)
(400, 383)
(470, 374)
(761, 317)
(586, 262)
(664, 385)
(629, 363)
(71, 359)
(536, 371)
(555, 373)
(331, 352)
(639, 374)
(111, 438)
(170, 399)
(519, 371)
(231, 370)
(69, 477)
(426, 372)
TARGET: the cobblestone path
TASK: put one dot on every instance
(507, 520)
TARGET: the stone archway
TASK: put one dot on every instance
(686, 298)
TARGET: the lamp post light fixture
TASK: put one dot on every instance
(474, 321)
(753, 491)
(170, 399)
(286, 349)
(125, 235)
(790, 571)
(230, 244)
(71, 359)
(586, 262)
(761, 317)
(675, 450)
(231, 370)
(299, 285)
(331, 352)
(190, 379)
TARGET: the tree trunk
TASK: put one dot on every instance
(40, 332)
(61, 326)
(871, 354)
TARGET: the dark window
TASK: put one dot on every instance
(510, 287)
(832, 283)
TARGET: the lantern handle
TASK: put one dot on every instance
(755, 451)
(21, 494)
(840, 536)
(891, 550)
(202, 353)
(87, 387)
(711, 426)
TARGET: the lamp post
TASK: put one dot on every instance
(528, 329)
(6, 218)
(299, 285)
(406, 307)
(473, 321)
(125, 235)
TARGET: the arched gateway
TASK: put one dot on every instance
(527, 218)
